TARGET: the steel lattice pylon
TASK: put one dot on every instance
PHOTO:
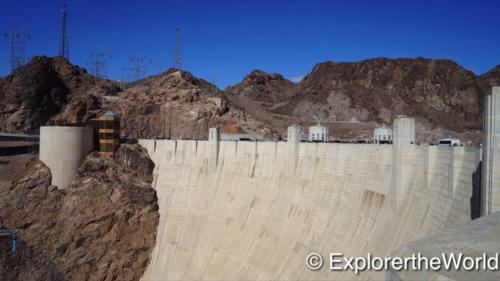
(63, 40)
(17, 52)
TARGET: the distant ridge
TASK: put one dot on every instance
(445, 98)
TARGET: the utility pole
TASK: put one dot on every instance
(138, 68)
(17, 48)
(214, 80)
(99, 64)
(177, 51)
(63, 39)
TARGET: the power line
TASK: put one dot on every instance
(17, 45)
(214, 80)
(63, 40)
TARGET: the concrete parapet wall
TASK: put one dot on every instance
(251, 219)
(62, 149)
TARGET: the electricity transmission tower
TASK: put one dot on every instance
(63, 39)
(177, 51)
(17, 48)
(99, 64)
(213, 80)
(138, 68)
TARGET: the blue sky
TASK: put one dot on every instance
(222, 41)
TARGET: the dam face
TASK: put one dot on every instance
(258, 209)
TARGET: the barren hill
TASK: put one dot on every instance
(490, 78)
(261, 86)
(51, 91)
(445, 98)
(175, 104)
(34, 94)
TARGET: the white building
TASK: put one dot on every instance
(450, 142)
(318, 133)
(382, 135)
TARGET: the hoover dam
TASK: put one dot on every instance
(234, 210)
(256, 210)
(250, 141)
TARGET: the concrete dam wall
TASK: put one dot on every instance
(255, 210)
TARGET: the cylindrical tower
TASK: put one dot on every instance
(62, 149)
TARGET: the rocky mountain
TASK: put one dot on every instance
(354, 98)
(51, 91)
(102, 227)
(45, 87)
(261, 86)
(177, 105)
(490, 78)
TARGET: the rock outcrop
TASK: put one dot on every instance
(354, 98)
(102, 227)
(135, 158)
(261, 86)
(445, 98)
(49, 90)
(490, 79)
(177, 105)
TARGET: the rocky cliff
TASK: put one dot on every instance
(177, 105)
(354, 98)
(47, 89)
(445, 98)
(490, 78)
(261, 86)
(102, 227)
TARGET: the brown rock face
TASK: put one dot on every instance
(135, 158)
(404, 86)
(490, 79)
(34, 94)
(440, 94)
(177, 105)
(103, 227)
(261, 86)
(355, 98)
(445, 98)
